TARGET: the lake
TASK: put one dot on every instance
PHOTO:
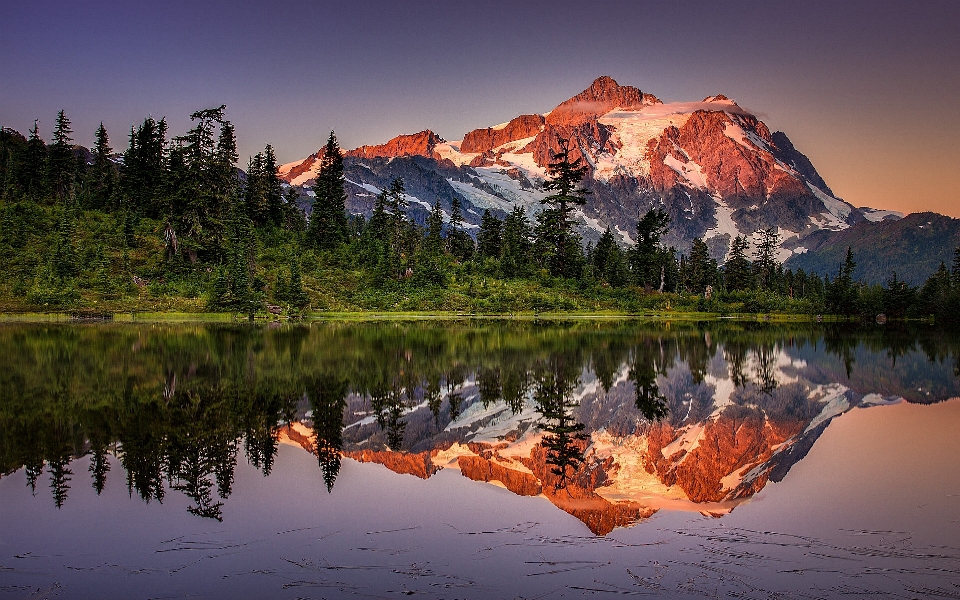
(479, 459)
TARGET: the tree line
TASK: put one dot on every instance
(172, 217)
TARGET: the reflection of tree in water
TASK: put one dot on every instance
(176, 404)
(766, 371)
(649, 360)
(488, 385)
(515, 385)
(387, 402)
(735, 353)
(563, 434)
(327, 400)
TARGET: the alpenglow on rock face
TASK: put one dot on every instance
(715, 168)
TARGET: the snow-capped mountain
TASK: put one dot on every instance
(714, 167)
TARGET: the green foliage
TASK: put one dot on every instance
(554, 227)
(328, 221)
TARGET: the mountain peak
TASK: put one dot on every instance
(417, 144)
(603, 95)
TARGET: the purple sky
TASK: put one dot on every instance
(867, 89)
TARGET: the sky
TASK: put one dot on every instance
(868, 90)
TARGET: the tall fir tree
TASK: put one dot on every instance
(737, 273)
(459, 242)
(434, 239)
(328, 222)
(648, 257)
(144, 168)
(100, 190)
(765, 259)
(555, 227)
(35, 167)
(490, 236)
(61, 163)
(515, 258)
(701, 269)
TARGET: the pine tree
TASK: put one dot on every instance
(101, 186)
(61, 164)
(490, 236)
(563, 435)
(210, 182)
(608, 260)
(35, 167)
(459, 242)
(434, 240)
(701, 269)
(515, 258)
(296, 295)
(273, 186)
(144, 168)
(841, 294)
(737, 272)
(555, 226)
(955, 270)
(328, 222)
(765, 260)
(648, 257)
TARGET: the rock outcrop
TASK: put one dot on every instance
(481, 140)
(405, 463)
(418, 144)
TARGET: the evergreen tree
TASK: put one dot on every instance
(765, 260)
(515, 258)
(608, 260)
(934, 297)
(737, 272)
(490, 236)
(296, 295)
(144, 168)
(101, 187)
(273, 186)
(898, 297)
(255, 193)
(210, 180)
(459, 243)
(328, 222)
(648, 257)
(434, 240)
(955, 271)
(841, 294)
(563, 435)
(35, 164)
(328, 401)
(701, 269)
(555, 228)
(61, 164)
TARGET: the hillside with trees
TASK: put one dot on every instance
(171, 224)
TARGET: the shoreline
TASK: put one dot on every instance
(229, 317)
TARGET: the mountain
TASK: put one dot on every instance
(714, 167)
(913, 246)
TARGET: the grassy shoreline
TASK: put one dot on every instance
(230, 317)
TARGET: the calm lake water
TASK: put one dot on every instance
(475, 459)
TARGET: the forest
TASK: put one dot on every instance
(172, 225)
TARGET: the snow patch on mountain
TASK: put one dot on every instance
(725, 223)
(838, 210)
(876, 214)
(690, 171)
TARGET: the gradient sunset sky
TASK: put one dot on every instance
(869, 90)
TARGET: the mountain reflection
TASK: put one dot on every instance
(608, 420)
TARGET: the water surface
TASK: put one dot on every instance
(466, 459)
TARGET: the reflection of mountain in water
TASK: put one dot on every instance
(609, 421)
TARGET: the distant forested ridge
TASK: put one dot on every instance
(172, 224)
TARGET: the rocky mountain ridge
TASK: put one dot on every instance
(714, 167)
